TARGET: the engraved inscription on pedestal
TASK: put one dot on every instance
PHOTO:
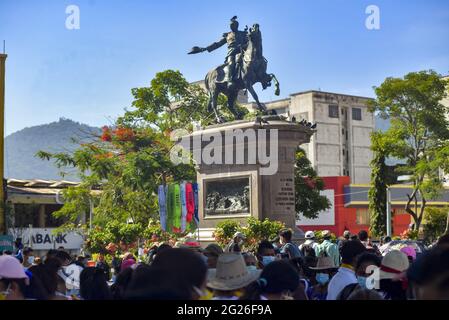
(227, 196)
(284, 194)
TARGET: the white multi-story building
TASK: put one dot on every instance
(341, 145)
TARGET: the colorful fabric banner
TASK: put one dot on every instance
(162, 207)
(170, 206)
(190, 202)
(182, 187)
(195, 195)
(177, 207)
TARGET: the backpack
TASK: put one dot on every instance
(346, 292)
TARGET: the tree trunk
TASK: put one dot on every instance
(408, 208)
(421, 211)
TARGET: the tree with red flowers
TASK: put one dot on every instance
(131, 157)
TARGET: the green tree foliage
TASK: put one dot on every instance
(224, 231)
(418, 133)
(381, 177)
(434, 223)
(254, 229)
(258, 230)
(308, 185)
(132, 157)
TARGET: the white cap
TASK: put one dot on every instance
(310, 235)
(239, 235)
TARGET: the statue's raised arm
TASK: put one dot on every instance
(210, 48)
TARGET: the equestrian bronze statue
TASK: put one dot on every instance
(243, 67)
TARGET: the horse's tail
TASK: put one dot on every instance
(206, 81)
(209, 85)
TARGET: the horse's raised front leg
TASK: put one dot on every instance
(261, 106)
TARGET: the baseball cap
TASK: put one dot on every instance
(240, 235)
(310, 235)
(10, 268)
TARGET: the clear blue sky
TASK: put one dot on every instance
(86, 75)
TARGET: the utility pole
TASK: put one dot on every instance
(388, 213)
(2, 134)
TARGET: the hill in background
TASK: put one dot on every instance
(21, 148)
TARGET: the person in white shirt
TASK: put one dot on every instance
(345, 275)
(310, 241)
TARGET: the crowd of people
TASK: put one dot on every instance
(350, 268)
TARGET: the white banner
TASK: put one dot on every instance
(44, 239)
(325, 218)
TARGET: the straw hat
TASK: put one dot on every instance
(325, 233)
(393, 264)
(231, 273)
(324, 263)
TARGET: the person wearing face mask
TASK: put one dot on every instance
(28, 257)
(13, 279)
(278, 281)
(364, 267)
(265, 254)
(237, 242)
(346, 272)
(250, 261)
(324, 271)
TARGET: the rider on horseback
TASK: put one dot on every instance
(236, 41)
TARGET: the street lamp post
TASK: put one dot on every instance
(2, 119)
(388, 222)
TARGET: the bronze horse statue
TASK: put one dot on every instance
(251, 68)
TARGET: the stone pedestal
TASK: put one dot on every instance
(237, 171)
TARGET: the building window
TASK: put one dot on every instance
(333, 111)
(51, 221)
(356, 114)
(362, 216)
(342, 131)
(25, 215)
(280, 110)
(346, 135)
(343, 150)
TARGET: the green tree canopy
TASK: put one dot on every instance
(132, 157)
(418, 133)
(308, 185)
